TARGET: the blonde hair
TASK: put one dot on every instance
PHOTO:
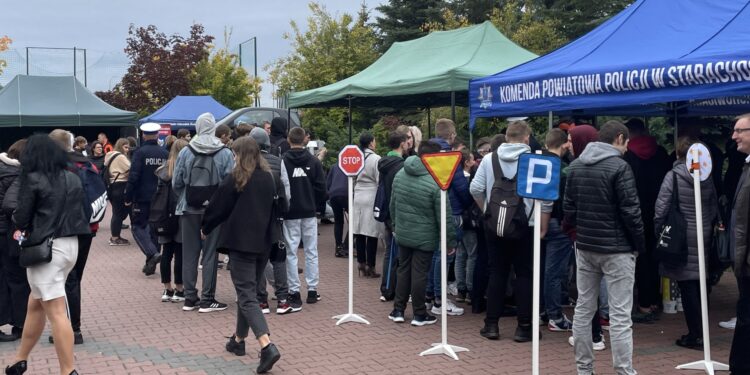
(122, 142)
(517, 131)
(63, 138)
(416, 133)
(174, 151)
(444, 128)
(248, 158)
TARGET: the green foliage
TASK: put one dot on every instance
(577, 17)
(221, 77)
(407, 19)
(4, 44)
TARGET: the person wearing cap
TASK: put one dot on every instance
(140, 188)
(275, 270)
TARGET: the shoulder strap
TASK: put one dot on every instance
(113, 159)
(497, 170)
(675, 191)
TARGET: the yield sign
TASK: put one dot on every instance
(442, 166)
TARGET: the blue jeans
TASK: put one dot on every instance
(305, 230)
(466, 258)
(559, 251)
(434, 287)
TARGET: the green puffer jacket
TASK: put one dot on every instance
(415, 208)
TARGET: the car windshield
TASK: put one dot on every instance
(255, 117)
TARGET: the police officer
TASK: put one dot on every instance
(139, 190)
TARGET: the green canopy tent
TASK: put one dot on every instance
(38, 101)
(426, 72)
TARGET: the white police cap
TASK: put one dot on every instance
(150, 128)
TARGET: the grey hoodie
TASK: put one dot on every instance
(508, 153)
(598, 151)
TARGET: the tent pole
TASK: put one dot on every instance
(74, 62)
(550, 121)
(27, 60)
(350, 119)
(453, 106)
(429, 127)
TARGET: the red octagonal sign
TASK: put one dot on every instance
(351, 160)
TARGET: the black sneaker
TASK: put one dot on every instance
(167, 295)
(340, 252)
(397, 316)
(211, 306)
(150, 267)
(268, 356)
(490, 331)
(312, 296)
(179, 296)
(295, 301)
(238, 348)
(523, 333)
(190, 304)
(423, 320)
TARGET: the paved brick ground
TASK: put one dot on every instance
(129, 331)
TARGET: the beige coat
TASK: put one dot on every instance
(119, 169)
(365, 189)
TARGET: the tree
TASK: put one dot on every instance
(332, 48)
(160, 68)
(4, 44)
(407, 19)
(577, 17)
(525, 23)
(221, 77)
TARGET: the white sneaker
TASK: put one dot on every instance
(450, 309)
(453, 289)
(598, 346)
(729, 324)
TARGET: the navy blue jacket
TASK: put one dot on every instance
(142, 180)
(458, 193)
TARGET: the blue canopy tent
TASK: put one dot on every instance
(655, 58)
(182, 111)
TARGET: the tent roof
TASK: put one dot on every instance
(654, 51)
(56, 101)
(186, 109)
(423, 71)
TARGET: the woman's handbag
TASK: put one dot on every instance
(34, 255)
(671, 248)
(278, 244)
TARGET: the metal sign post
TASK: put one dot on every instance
(442, 166)
(351, 162)
(538, 178)
(699, 163)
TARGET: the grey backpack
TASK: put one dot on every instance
(203, 179)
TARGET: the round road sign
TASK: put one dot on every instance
(351, 160)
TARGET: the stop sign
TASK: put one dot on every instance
(351, 160)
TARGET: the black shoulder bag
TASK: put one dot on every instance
(276, 230)
(671, 248)
(34, 255)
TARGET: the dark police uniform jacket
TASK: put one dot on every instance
(142, 179)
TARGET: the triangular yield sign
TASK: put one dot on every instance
(442, 166)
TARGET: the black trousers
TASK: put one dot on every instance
(690, 291)
(73, 283)
(502, 254)
(481, 278)
(119, 210)
(338, 205)
(169, 251)
(14, 282)
(367, 249)
(739, 360)
(647, 280)
(413, 265)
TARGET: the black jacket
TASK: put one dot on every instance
(45, 208)
(307, 184)
(9, 170)
(142, 179)
(278, 135)
(98, 161)
(275, 163)
(601, 201)
(650, 163)
(388, 167)
(239, 211)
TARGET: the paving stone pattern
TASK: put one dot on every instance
(129, 331)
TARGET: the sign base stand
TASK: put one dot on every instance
(350, 318)
(443, 348)
(708, 366)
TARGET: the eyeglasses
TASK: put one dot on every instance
(740, 130)
(483, 151)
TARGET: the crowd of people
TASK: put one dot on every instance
(192, 197)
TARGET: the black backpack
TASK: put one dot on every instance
(94, 191)
(203, 179)
(276, 147)
(162, 216)
(505, 215)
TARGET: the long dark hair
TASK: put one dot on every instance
(42, 155)
(364, 140)
(248, 159)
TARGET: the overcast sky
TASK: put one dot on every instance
(102, 26)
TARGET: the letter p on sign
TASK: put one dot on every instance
(538, 177)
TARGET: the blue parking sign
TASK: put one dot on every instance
(538, 177)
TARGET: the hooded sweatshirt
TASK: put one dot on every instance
(582, 135)
(307, 183)
(508, 154)
(205, 142)
(278, 136)
(9, 171)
